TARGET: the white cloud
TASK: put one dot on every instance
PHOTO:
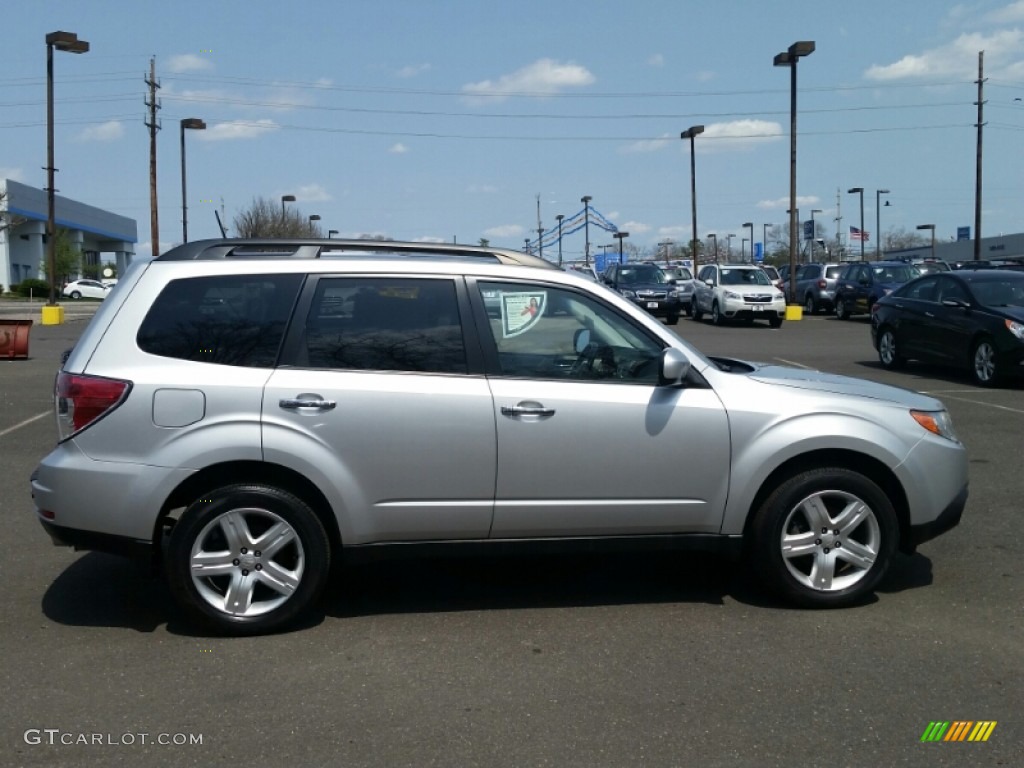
(189, 62)
(506, 230)
(634, 228)
(108, 131)
(782, 203)
(673, 231)
(656, 60)
(648, 145)
(398, 149)
(237, 129)
(312, 193)
(482, 189)
(1009, 14)
(412, 70)
(957, 59)
(705, 75)
(429, 239)
(14, 174)
(543, 77)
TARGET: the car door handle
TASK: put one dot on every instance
(307, 401)
(526, 409)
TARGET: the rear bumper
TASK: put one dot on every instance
(949, 518)
(98, 542)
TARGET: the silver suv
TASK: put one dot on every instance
(247, 413)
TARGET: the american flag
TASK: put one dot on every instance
(857, 234)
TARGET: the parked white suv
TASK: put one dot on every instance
(737, 292)
(245, 413)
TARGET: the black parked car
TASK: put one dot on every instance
(861, 284)
(967, 318)
(647, 287)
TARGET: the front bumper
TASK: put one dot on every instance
(738, 309)
(949, 518)
(660, 307)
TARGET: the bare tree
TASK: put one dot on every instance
(269, 218)
(6, 219)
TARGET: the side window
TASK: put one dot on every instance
(546, 332)
(922, 290)
(385, 324)
(230, 320)
(951, 289)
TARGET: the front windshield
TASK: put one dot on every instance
(745, 277)
(642, 273)
(895, 274)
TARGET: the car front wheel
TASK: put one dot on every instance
(888, 353)
(76, 294)
(985, 367)
(824, 538)
(842, 311)
(716, 315)
(247, 559)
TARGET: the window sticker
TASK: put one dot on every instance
(521, 311)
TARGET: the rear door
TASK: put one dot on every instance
(381, 403)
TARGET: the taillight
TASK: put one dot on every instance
(822, 284)
(82, 399)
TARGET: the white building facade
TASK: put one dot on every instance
(102, 237)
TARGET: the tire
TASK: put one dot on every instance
(76, 294)
(672, 320)
(824, 538)
(775, 322)
(225, 530)
(985, 368)
(810, 305)
(695, 311)
(888, 351)
(842, 311)
(716, 315)
(689, 309)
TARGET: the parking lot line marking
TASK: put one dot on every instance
(25, 423)
(968, 400)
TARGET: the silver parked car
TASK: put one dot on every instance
(248, 412)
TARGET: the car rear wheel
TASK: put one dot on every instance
(985, 367)
(810, 305)
(76, 294)
(824, 538)
(716, 315)
(888, 352)
(247, 559)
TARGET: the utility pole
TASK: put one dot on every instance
(839, 221)
(540, 231)
(154, 126)
(977, 183)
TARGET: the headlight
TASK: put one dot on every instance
(779, 296)
(731, 295)
(628, 294)
(673, 294)
(1017, 329)
(937, 422)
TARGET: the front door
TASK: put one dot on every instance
(589, 442)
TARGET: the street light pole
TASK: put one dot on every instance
(620, 236)
(69, 42)
(932, 228)
(728, 253)
(765, 244)
(195, 124)
(750, 226)
(878, 221)
(331, 233)
(789, 58)
(714, 238)
(559, 218)
(860, 191)
(691, 133)
(286, 199)
(586, 228)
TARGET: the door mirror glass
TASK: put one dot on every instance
(581, 340)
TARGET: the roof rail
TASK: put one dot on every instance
(304, 248)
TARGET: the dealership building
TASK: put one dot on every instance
(102, 237)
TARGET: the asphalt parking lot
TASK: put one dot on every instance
(668, 660)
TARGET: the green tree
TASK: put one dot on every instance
(67, 259)
(270, 218)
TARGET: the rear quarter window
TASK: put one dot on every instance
(230, 320)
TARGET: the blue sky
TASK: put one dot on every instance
(422, 120)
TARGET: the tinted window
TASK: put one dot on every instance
(948, 288)
(832, 272)
(231, 320)
(539, 335)
(385, 324)
(921, 290)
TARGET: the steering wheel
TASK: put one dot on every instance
(584, 361)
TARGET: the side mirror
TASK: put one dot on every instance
(673, 367)
(709, 283)
(673, 281)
